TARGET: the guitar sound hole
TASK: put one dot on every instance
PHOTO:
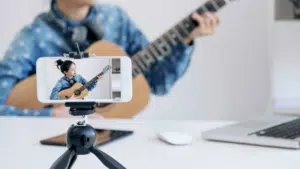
(77, 92)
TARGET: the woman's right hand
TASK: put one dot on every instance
(61, 111)
(73, 97)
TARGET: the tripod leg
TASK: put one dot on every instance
(65, 161)
(72, 161)
(107, 160)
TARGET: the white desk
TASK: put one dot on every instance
(20, 148)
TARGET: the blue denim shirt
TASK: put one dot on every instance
(38, 39)
(63, 83)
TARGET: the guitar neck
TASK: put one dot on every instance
(162, 46)
(89, 83)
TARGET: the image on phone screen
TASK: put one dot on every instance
(103, 79)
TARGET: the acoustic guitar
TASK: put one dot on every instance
(24, 94)
(79, 90)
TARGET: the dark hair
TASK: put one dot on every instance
(64, 66)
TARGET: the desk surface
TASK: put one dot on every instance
(142, 150)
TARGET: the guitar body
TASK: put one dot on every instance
(24, 94)
(67, 93)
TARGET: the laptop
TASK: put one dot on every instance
(279, 129)
(272, 131)
(281, 126)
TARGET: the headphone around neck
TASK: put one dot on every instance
(72, 81)
(92, 28)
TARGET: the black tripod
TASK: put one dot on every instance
(81, 139)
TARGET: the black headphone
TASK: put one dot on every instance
(71, 81)
(91, 29)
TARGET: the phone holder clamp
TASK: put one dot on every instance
(81, 108)
(78, 54)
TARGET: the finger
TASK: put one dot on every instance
(200, 20)
(208, 20)
(217, 19)
(212, 22)
(213, 19)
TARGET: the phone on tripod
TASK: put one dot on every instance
(105, 79)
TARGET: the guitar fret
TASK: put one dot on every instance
(181, 32)
(189, 24)
(146, 57)
(202, 10)
(214, 3)
(153, 51)
(220, 3)
(182, 27)
(210, 7)
(163, 47)
(156, 49)
(139, 62)
(166, 38)
(135, 69)
(174, 36)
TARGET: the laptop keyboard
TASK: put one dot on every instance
(288, 130)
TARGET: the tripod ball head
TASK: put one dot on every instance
(81, 138)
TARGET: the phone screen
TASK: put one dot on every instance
(104, 79)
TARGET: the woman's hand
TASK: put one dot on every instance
(73, 97)
(99, 77)
(61, 111)
(207, 24)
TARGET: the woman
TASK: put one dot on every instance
(68, 68)
(40, 38)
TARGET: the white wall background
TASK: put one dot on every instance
(284, 43)
(229, 75)
(87, 68)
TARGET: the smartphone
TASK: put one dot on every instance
(103, 79)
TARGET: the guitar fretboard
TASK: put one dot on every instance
(106, 69)
(163, 45)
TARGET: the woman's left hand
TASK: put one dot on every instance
(207, 24)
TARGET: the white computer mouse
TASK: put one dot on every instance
(175, 138)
